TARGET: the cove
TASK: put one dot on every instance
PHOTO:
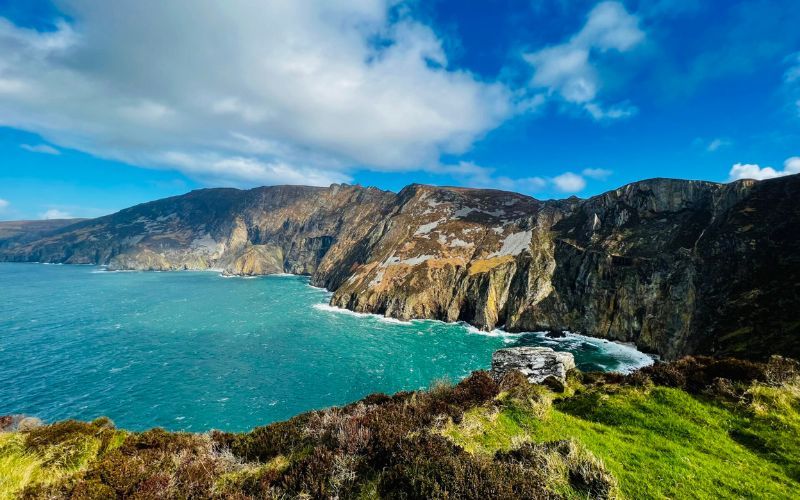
(193, 351)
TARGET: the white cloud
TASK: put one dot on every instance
(718, 143)
(41, 148)
(752, 171)
(792, 74)
(257, 92)
(568, 70)
(569, 182)
(4, 204)
(791, 80)
(472, 175)
(55, 213)
(712, 145)
(599, 174)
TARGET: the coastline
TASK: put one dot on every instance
(497, 332)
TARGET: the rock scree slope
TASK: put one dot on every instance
(677, 267)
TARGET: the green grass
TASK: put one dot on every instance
(23, 464)
(660, 442)
(18, 467)
(696, 435)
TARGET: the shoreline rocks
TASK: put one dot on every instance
(536, 363)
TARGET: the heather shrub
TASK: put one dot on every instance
(512, 379)
(565, 467)
(468, 440)
(476, 389)
(780, 370)
(263, 443)
(26, 424)
(6, 421)
(432, 467)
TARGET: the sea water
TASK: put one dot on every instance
(193, 351)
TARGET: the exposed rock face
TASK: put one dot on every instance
(677, 267)
(536, 363)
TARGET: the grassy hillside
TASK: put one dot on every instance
(696, 428)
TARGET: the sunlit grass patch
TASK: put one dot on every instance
(659, 441)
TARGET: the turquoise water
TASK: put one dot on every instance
(195, 351)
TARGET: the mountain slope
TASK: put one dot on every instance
(678, 267)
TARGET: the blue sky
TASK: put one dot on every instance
(107, 104)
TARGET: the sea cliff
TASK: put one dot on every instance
(676, 267)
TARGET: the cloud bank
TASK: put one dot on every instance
(478, 176)
(55, 213)
(246, 92)
(752, 171)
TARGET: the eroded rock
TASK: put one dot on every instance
(536, 363)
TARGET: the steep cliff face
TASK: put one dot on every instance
(261, 231)
(675, 266)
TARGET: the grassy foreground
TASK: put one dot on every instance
(696, 428)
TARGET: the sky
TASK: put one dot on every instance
(104, 105)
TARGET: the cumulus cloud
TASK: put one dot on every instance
(599, 174)
(478, 176)
(569, 182)
(4, 204)
(752, 171)
(569, 69)
(41, 148)
(257, 92)
(55, 213)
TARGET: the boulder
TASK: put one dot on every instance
(536, 363)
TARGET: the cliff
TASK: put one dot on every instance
(677, 267)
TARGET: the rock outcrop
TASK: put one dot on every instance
(536, 363)
(676, 267)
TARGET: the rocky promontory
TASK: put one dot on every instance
(676, 267)
(537, 364)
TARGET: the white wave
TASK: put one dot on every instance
(497, 332)
(340, 310)
(238, 276)
(629, 358)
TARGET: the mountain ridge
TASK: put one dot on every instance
(677, 267)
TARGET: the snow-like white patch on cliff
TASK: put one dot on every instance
(389, 261)
(377, 279)
(465, 211)
(433, 203)
(455, 242)
(419, 259)
(514, 244)
(460, 243)
(426, 228)
(132, 240)
(206, 244)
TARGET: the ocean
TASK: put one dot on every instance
(196, 351)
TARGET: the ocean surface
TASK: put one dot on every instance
(195, 351)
